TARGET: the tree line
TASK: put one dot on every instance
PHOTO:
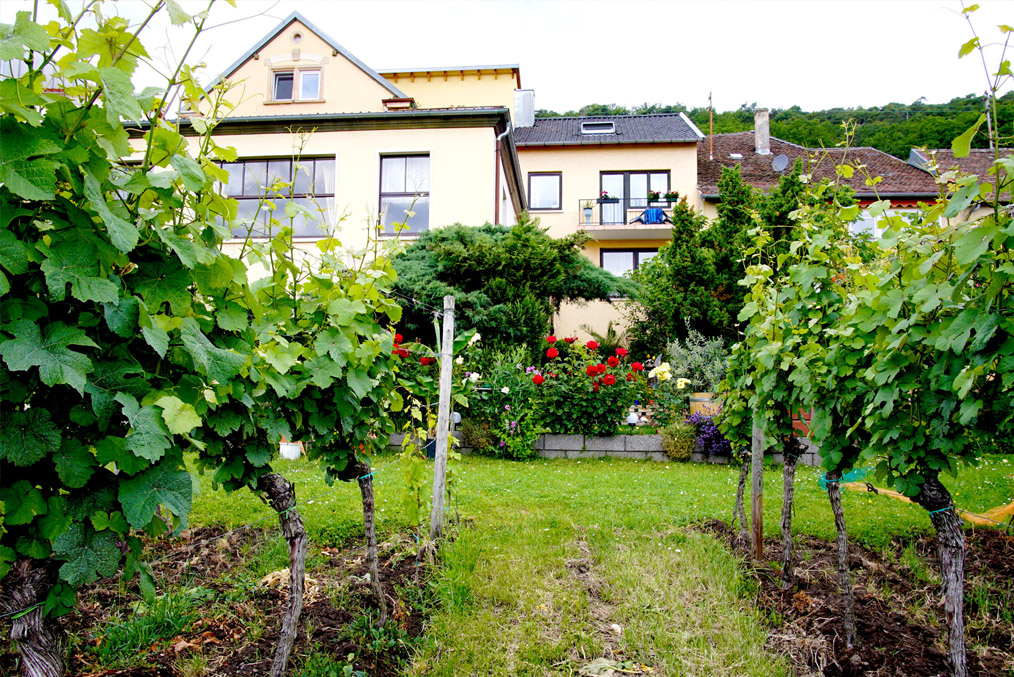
(894, 128)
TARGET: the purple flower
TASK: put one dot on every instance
(506, 407)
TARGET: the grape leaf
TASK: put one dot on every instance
(148, 437)
(110, 378)
(24, 34)
(334, 343)
(13, 255)
(233, 317)
(22, 169)
(121, 318)
(122, 233)
(49, 352)
(157, 339)
(159, 283)
(179, 416)
(90, 555)
(220, 365)
(119, 97)
(162, 485)
(323, 371)
(191, 173)
(27, 436)
(114, 450)
(962, 144)
(74, 464)
(16, 98)
(23, 502)
(77, 264)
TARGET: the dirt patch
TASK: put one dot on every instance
(899, 610)
(235, 620)
(614, 661)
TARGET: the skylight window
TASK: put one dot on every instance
(597, 128)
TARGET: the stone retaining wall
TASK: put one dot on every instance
(635, 447)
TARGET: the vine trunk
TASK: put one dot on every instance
(792, 449)
(834, 496)
(369, 528)
(281, 495)
(40, 640)
(934, 497)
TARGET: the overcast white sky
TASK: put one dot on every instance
(812, 53)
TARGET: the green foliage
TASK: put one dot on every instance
(678, 439)
(507, 282)
(702, 361)
(165, 617)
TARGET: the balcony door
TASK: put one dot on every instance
(615, 186)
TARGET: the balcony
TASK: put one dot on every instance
(635, 218)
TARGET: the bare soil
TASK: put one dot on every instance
(235, 631)
(899, 611)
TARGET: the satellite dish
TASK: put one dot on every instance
(780, 163)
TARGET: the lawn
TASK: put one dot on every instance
(560, 562)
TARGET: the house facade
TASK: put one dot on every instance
(361, 151)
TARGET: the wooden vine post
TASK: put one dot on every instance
(757, 489)
(443, 420)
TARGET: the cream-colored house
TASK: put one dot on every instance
(360, 148)
(609, 176)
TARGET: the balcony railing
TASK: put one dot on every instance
(625, 211)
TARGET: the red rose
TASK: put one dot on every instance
(592, 370)
(537, 379)
(591, 345)
(637, 366)
(622, 352)
(426, 361)
(609, 379)
(613, 361)
(630, 376)
(401, 352)
(398, 338)
(596, 386)
(552, 352)
(600, 368)
(570, 339)
(550, 339)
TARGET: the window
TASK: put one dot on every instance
(623, 261)
(285, 85)
(598, 128)
(632, 189)
(545, 191)
(312, 186)
(405, 186)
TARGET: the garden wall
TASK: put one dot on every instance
(635, 447)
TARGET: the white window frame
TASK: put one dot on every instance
(297, 84)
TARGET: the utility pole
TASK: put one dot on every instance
(443, 421)
(711, 129)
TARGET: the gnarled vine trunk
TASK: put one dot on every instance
(742, 539)
(281, 495)
(41, 642)
(834, 495)
(792, 449)
(935, 498)
(369, 528)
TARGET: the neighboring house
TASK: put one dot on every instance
(979, 162)
(762, 159)
(570, 162)
(360, 148)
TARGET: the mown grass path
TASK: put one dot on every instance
(560, 562)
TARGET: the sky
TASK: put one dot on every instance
(816, 54)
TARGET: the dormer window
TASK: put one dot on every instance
(597, 128)
(296, 85)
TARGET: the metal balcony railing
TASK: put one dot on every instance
(624, 211)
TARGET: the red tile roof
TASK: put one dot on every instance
(898, 177)
(978, 161)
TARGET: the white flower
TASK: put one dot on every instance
(505, 390)
(474, 377)
(682, 383)
(475, 339)
(460, 359)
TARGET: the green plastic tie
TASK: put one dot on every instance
(934, 512)
(369, 474)
(25, 612)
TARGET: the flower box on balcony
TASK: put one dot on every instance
(608, 200)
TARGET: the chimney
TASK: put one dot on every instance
(524, 107)
(761, 132)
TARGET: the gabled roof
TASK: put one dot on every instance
(899, 178)
(629, 129)
(296, 16)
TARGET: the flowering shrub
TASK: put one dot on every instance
(710, 440)
(579, 394)
(678, 439)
